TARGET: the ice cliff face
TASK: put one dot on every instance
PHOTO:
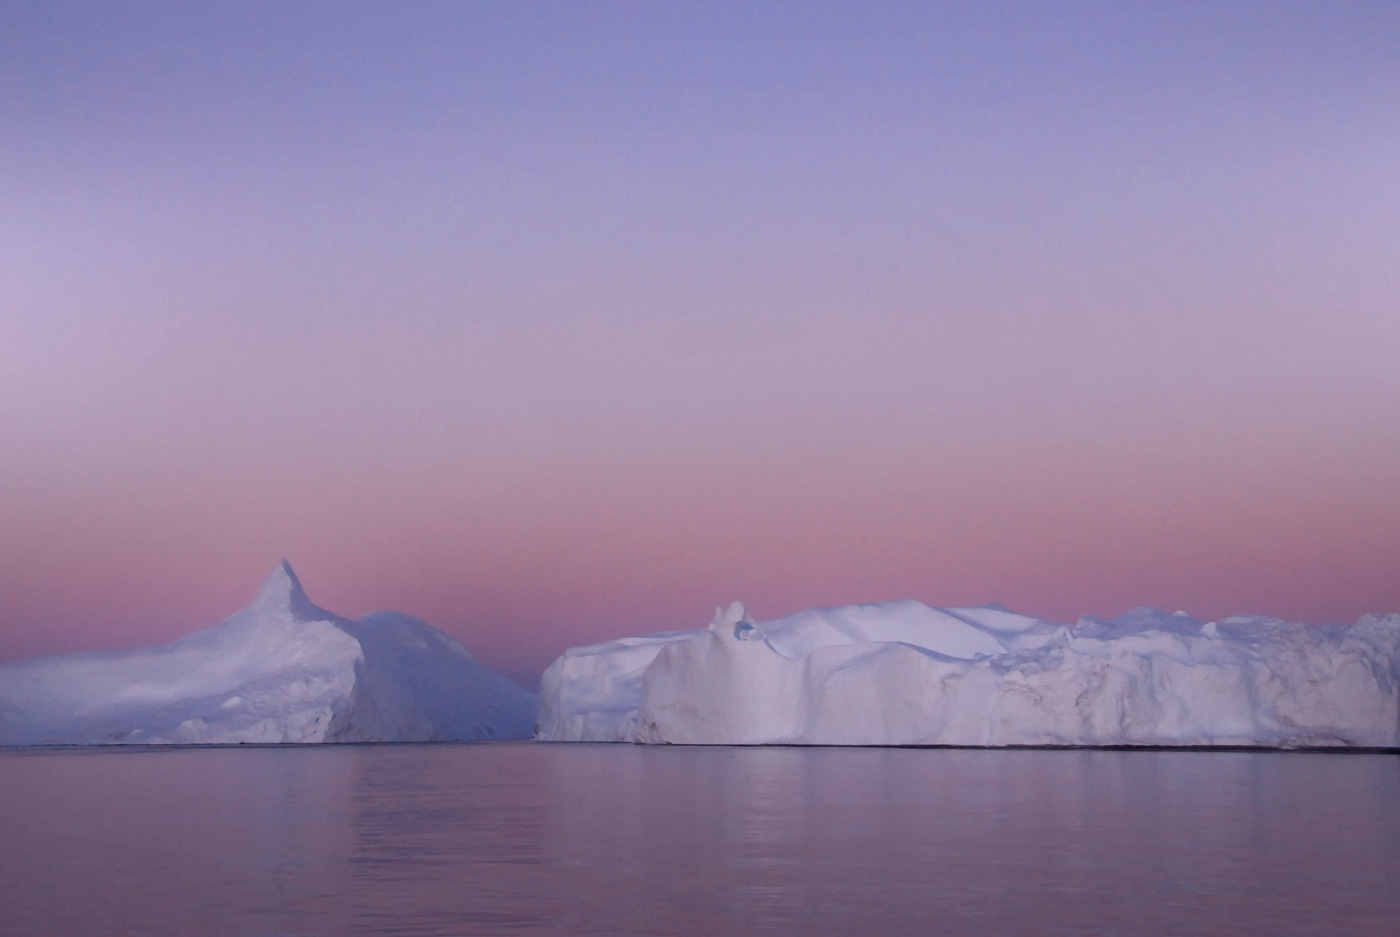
(902, 673)
(281, 670)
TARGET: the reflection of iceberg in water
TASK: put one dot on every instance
(903, 673)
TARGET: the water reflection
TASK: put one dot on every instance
(547, 839)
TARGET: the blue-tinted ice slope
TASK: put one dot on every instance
(280, 670)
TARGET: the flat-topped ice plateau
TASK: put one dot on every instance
(903, 673)
(281, 670)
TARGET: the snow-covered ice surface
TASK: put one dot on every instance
(280, 670)
(903, 673)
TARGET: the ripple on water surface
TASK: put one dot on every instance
(597, 839)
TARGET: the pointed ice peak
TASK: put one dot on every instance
(734, 621)
(728, 617)
(282, 591)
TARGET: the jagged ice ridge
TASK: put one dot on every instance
(903, 673)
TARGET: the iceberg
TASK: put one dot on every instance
(280, 670)
(904, 673)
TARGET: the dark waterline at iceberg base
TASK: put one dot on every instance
(514, 838)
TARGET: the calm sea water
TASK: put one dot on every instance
(592, 839)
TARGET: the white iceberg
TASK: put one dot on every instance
(281, 670)
(903, 673)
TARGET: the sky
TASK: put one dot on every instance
(555, 322)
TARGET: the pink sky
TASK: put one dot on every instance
(554, 326)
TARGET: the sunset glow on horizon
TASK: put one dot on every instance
(553, 323)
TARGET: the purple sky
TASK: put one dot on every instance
(554, 322)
